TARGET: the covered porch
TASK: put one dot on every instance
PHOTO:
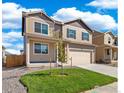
(110, 54)
(40, 51)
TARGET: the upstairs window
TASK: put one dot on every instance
(41, 28)
(71, 33)
(37, 27)
(85, 36)
(109, 40)
(44, 29)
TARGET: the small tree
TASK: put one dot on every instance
(62, 56)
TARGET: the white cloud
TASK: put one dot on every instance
(105, 4)
(7, 44)
(19, 46)
(13, 51)
(11, 36)
(94, 20)
(11, 19)
(12, 14)
(12, 41)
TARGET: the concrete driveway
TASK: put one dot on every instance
(104, 69)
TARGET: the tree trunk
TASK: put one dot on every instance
(62, 69)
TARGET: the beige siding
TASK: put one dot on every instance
(78, 34)
(98, 38)
(99, 53)
(30, 24)
(93, 56)
(42, 57)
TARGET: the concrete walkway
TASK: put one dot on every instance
(104, 69)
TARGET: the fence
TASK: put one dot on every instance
(15, 60)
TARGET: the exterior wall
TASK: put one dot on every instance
(98, 39)
(106, 36)
(24, 44)
(30, 24)
(93, 56)
(79, 31)
(78, 46)
(42, 57)
(51, 26)
(99, 53)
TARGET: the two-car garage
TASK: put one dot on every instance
(81, 54)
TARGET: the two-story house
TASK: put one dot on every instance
(106, 50)
(40, 46)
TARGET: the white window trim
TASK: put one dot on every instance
(39, 53)
(41, 28)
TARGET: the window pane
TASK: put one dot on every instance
(85, 36)
(44, 49)
(37, 27)
(37, 48)
(44, 29)
(71, 33)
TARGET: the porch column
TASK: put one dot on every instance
(27, 52)
(111, 54)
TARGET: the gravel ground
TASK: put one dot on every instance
(10, 79)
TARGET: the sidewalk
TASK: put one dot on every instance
(111, 88)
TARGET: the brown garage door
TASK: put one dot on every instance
(80, 57)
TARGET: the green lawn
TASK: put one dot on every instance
(76, 81)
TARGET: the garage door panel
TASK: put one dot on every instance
(80, 57)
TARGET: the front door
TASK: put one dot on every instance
(107, 54)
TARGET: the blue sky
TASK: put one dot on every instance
(100, 15)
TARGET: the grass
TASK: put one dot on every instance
(77, 80)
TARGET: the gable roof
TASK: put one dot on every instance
(24, 14)
(80, 20)
(98, 33)
(109, 32)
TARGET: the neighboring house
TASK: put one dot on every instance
(107, 46)
(39, 31)
(3, 55)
